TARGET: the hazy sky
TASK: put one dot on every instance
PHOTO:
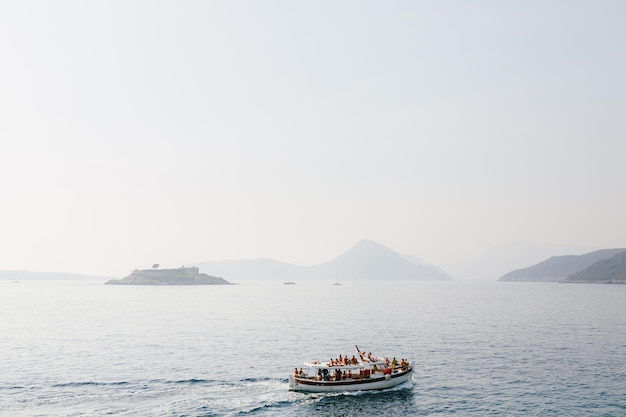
(141, 132)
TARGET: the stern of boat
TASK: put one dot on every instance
(292, 382)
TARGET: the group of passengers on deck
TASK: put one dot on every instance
(337, 375)
(343, 361)
(365, 358)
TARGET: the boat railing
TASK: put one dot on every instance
(324, 373)
(362, 374)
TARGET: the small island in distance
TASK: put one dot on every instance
(178, 276)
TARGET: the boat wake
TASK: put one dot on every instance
(89, 384)
(195, 397)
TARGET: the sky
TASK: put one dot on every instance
(142, 132)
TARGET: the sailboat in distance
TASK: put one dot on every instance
(337, 280)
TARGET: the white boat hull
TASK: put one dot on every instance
(375, 383)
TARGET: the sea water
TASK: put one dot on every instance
(80, 348)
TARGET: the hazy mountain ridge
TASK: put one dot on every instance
(611, 271)
(559, 268)
(496, 261)
(29, 275)
(367, 260)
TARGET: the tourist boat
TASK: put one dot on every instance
(363, 374)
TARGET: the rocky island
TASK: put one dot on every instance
(179, 276)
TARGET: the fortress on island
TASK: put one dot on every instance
(179, 276)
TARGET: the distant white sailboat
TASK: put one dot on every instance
(337, 281)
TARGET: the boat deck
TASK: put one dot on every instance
(376, 380)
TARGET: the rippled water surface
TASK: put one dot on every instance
(516, 349)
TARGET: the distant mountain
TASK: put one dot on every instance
(373, 261)
(255, 269)
(610, 271)
(497, 261)
(367, 260)
(558, 268)
(28, 275)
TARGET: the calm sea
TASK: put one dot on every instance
(77, 348)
